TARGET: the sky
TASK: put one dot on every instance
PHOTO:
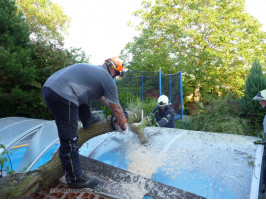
(100, 27)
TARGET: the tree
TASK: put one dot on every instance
(17, 70)
(46, 20)
(254, 84)
(149, 54)
(211, 41)
(26, 60)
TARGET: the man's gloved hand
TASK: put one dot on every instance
(151, 118)
(124, 129)
(261, 135)
(117, 126)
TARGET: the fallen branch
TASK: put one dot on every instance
(138, 128)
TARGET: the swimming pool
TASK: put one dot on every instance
(212, 165)
(17, 153)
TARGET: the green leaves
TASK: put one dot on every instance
(3, 160)
(26, 62)
(254, 84)
(212, 42)
(46, 20)
(16, 66)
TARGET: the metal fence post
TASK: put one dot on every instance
(142, 85)
(160, 82)
(181, 93)
(170, 91)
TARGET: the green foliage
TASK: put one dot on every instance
(211, 42)
(147, 105)
(222, 116)
(46, 19)
(2, 164)
(17, 70)
(254, 84)
(107, 111)
(24, 64)
(129, 101)
(46, 22)
(125, 98)
(3, 160)
(50, 58)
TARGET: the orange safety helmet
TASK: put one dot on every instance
(116, 63)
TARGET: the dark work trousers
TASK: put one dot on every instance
(66, 115)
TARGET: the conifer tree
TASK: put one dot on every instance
(17, 71)
(254, 84)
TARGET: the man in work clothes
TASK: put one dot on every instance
(261, 97)
(163, 114)
(67, 93)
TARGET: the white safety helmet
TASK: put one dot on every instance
(163, 101)
(261, 96)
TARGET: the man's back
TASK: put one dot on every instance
(81, 83)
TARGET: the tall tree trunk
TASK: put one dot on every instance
(196, 95)
(23, 185)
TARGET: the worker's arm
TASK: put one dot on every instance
(119, 115)
(117, 111)
(102, 99)
(162, 122)
(151, 117)
(169, 117)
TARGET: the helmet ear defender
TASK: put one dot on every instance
(122, 73)
(112, 64)
(115, 63)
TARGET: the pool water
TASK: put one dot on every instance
(16, 156)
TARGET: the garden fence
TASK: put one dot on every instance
(148, 85)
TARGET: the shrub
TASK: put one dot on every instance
(129, 101)
(254, 84)
(125, 98)
(221, 115)
(147, 105)
(4, 159)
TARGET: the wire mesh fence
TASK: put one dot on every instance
(171, 86)
(150, 85)
(143, 84)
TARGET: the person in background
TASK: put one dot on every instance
(67, 93)
(261, 97)
(163, 114)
